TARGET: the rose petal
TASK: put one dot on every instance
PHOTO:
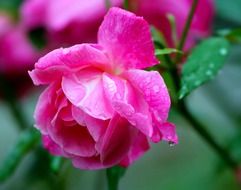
(91, 163)
(117, 141)
(85, 91)
(96, 127)
(168, 131)
(45, 111)
(61, 61)
(154, 90)
(51, 146)
(139, 147)
(127, 40)
(128, 103)
(74, 140)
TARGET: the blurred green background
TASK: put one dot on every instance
(191, 164)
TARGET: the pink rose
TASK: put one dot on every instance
(156, 14)
(100, 109)
(79, 19)
(66, 21)
(17, 54)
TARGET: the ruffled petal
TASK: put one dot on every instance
(139, 147)
(128, 103)
(73, 140)
(91, 163)
(96, 127)
(117, 141)
(51, 146)
(62, 61)
(45, 110)
(168, 132)
(153, 88)
(127, 40)
(85, 91)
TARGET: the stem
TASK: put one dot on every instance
(11, 99)
(126, 4)
(200, 129)
(186, 28)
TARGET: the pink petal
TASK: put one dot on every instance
(128, 103)
(168, 131)
(76, 11)
(33, 13)
(154, 90)
(85, 91)
(51, 146)
(96, 127)
(139, 147)
(61, 61)
(45, 110)
(74, 140)
(16, 51)
(117, 141)
(127, 40)
(91, 163)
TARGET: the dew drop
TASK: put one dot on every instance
(171, 143)
(209, 73)
(223, 51)
(156, 88)
(211, 65)
(197, 83)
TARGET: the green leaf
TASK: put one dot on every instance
(231, 35)
(126, 4)
(166, 51)
(203, 64)
(27, 141)
(113, 176)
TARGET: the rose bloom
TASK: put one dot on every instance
(17, 55)
(79, 19)
(78, 22)
(100, 109)
(156, 14)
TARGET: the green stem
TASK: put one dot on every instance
(126, 4)
(113, 176)
(200, 129)
(27, 141)
(107, 4)
(10, 97)
(186, 28)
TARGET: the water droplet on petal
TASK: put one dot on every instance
(156, 88)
